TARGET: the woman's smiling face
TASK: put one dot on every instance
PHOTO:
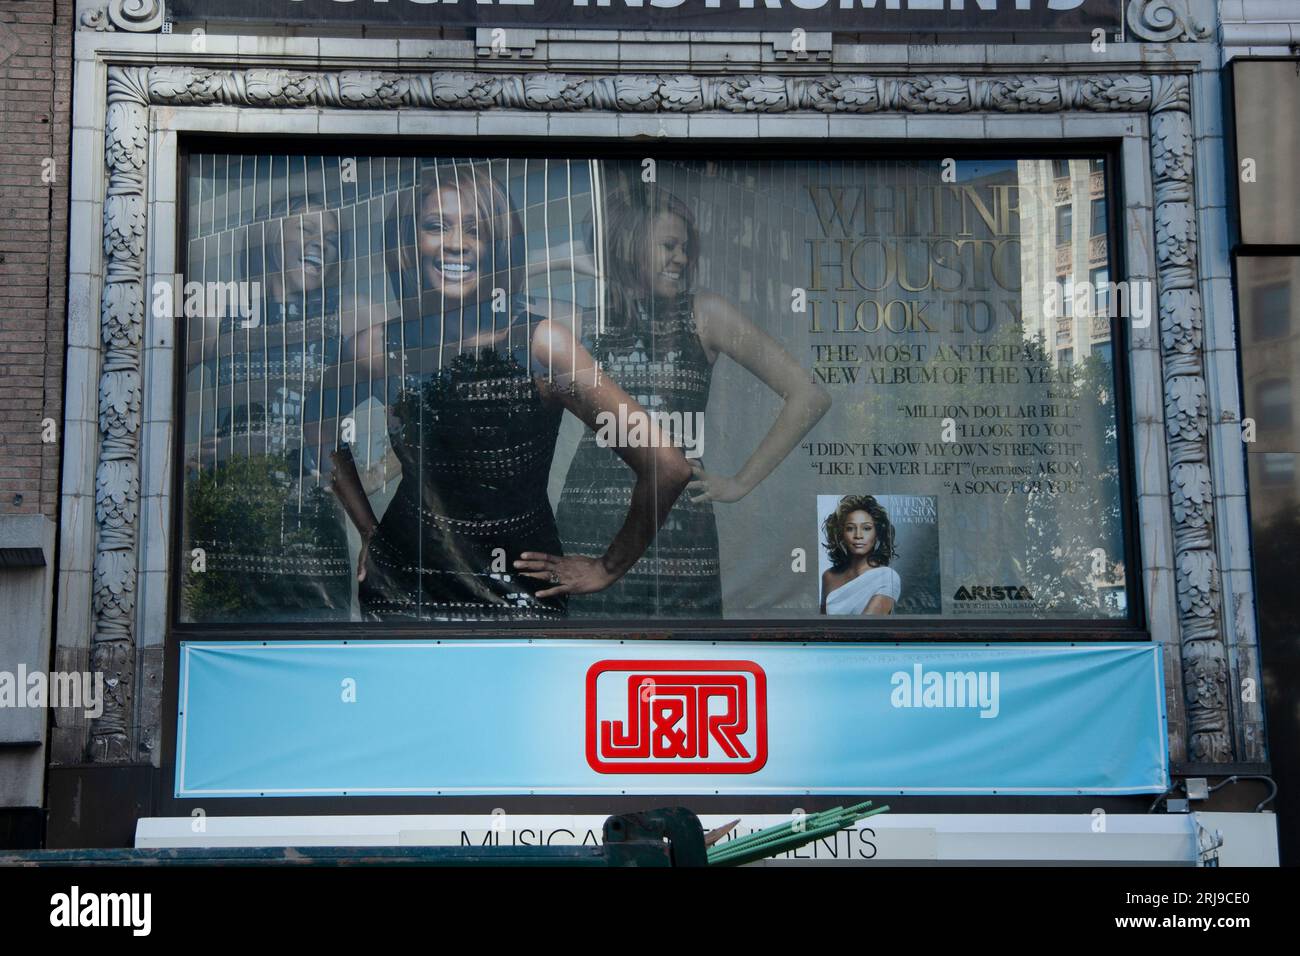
(669, 255)
(859, 534)
(311, 250)
(452, 243)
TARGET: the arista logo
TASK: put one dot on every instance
(676, 717)
(982, 592)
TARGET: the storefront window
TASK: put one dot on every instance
(553, 389)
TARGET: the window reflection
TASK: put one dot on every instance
(383, 387)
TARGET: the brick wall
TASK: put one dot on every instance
(35, 120)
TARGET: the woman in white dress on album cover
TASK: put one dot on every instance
(859, 540)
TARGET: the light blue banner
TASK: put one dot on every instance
(311, 718)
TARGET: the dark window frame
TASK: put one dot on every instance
(1132, 627)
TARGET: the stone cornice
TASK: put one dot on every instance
(651, 93)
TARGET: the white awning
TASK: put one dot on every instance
(893, 838)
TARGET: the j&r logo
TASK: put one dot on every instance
(676, 717)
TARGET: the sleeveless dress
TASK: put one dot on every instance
(475, 442)
(659, 361)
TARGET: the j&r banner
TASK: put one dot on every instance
(327, 718)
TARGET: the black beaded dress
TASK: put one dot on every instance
(659, 361)
(475, 442)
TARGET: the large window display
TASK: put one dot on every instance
(504, 388)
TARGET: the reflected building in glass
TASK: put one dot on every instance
(1063, 215)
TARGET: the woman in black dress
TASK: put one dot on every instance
(660, 342)
(469, 533)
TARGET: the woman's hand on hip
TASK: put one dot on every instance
(707, 487)
(567, 574)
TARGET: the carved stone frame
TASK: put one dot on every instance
(1197, 650)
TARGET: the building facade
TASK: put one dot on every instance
(1014, 240)
(36, 122)
(1259, 56)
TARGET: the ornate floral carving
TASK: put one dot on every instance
(849, 94)
(185, 86)
(114, 657)
(1198, 582)
(119, 401)
(1192, 494)
(1205, 677)
(117, 495)
(450, 90)
(124, 233)
(261, 87)
(744, 93)
(1185, 408)
(681, 94)
(126, 140)
(1170, 93)
(1181, 335)
(758, 94)
(126, 86)
(549, 88)
(945, 94)
(117, 484)
(1186, 411)
(122, 319)
(96, 19)
(1110, 92)
(1171, 146)
(115, 593)
(386, 90)
(1176, 232)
